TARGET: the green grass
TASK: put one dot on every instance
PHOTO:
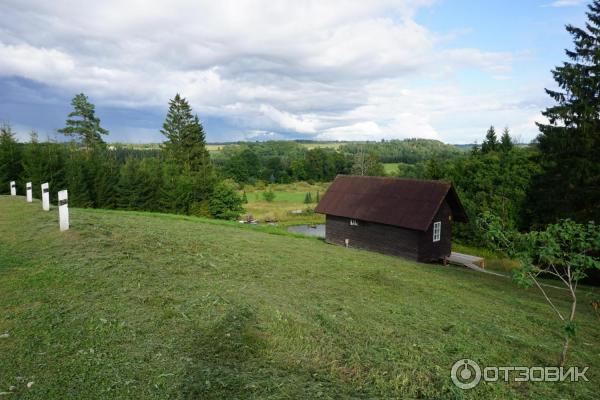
(390, 169)
(137, 305)
(288, 197)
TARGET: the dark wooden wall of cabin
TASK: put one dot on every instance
(433, 251)
(371, 236)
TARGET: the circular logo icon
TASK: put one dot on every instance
(465, 374)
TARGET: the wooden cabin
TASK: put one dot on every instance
(400, 217)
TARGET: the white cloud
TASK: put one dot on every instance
(566, 3)
(328, 69)
(301, 124)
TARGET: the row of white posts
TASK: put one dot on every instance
(63, 201)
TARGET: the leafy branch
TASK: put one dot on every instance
(565, 251)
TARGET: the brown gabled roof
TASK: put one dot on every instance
(405, 203)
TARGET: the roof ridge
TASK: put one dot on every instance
(408, 203)
(394, 178)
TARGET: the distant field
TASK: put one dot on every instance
(214, 147)
(288, 197)
(324, 145)
(312, 145)
(390, 169)
(131, 305)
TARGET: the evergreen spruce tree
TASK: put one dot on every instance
(53, 157)
(83, 123)
(185, 149)
(130, 186)
(491, 141)
(33, 165)
(139, 183)
(506, 143)
(76, 179)
(104, 177)
(178, 190)
(186, 141)
(569, 144)
(10, 158)
(308, 198)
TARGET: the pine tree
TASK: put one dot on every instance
(33, 168)
(185, 151)
(186, 141)
(83, 123)
(506, 143)
(53, 167)
(570, 143)
(491, 141)
(178, 190)
(135, 189)
(104, 177)
(76, 179)
(308, 198)
(10, 158)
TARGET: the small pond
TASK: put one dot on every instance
(311, 230)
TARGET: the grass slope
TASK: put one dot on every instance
(133, 305)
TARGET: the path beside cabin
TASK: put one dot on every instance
(474, 263)
(471, 262)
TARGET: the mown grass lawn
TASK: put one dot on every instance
(134, 305)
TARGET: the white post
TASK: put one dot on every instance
(45, 197)
(63, 209)
(13, 188)
(29, 192)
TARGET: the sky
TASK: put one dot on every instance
(266, 70)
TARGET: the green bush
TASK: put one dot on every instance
(269, 195)
(225, 203)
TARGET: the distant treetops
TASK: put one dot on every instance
(180, 179)
(491, 142)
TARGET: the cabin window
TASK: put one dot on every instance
(437, 231)
(353, 222)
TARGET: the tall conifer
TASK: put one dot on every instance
(569, 143)
(83, 123)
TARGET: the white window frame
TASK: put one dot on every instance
(437, 231)
(353, 222)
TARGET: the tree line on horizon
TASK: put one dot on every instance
(178, 179)
(556, 177)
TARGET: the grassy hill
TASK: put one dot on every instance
(134, 305)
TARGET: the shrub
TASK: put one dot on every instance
(269, 195)
(225, 203)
